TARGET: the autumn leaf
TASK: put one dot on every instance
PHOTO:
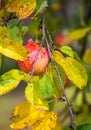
(75, 35)
(11, 48)
(79, 33)
(14, 50)
(25, 8)
(26, 115)
(11, 79)
(74, 70)
(47, 123)
(12, 5)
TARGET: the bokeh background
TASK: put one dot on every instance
(62, 17)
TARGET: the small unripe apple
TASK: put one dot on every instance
(40, 57)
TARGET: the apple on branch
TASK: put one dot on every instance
(38, 58)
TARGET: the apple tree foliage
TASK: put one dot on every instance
(67, 77)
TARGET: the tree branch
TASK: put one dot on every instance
(73, 124)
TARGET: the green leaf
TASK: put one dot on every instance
(12, 22)
(46, 87)
(15, 34)
(11, 79)
(79, 98)
(67, 50)
(24, 29)
(33, 27)
(74, 70)
(57, 86)
(84, 127)
(40, 5)
(32, 94)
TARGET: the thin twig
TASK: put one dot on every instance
(50, 39)
(62, 98)
(41, 43)
(72, 99)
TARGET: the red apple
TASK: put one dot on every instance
(60, 39)
(41, 61)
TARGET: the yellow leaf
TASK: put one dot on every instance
(79, 33)
(11, 48)
(87, 57)
(12, 6)
(16, 74)
(26, 115)
(11, 79)
(14, 50)
(47, 123)
(74, 70)
(25, 9)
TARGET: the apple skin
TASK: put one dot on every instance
(41, 59)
